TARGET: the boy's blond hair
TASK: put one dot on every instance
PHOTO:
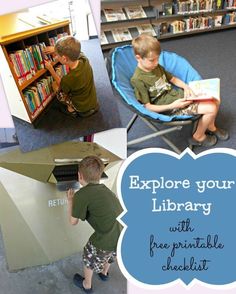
(91, 168)
(69, 47)
(144, 44)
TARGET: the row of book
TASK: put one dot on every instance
(177, 26)
(53, 40)
(196, 6)
(28, 61)
(196, 23)
(168, 8)
(118, 14)
(42, 90)
(35, 95)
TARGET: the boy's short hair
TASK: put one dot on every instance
(91, 168)
(68, 46)
(144, 44)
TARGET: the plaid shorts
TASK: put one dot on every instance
(191, 109)
(95, 258)
(66, 100)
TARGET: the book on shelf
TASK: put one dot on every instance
(219, 4)
(103, 38)
(164, 28)
(114, 14)
(135, 12)
(177, 26)
(52, 40)
(121, 35)
(36, 94)
(147, 29)
(62, 69)
(28, 61)
(218, 20)
(207, 89)
(167, 8)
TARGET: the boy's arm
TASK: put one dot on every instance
(70, 196)
(49, 50)
(49, 67)
(187, 90)
(179, 103)
(142, 95)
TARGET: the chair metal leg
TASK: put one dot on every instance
(157, 133)
(131, 122)
(195, 123)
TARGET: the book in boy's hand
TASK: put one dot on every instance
(205, 89)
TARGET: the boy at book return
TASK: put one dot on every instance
(98, 205)
(76, 89)
(153, 88)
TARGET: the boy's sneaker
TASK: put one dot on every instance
(220, 134)
(209, 141)
(103, 277)
(78, 281)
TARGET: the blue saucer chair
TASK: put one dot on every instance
(122, 66)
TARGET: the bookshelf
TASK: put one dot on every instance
(27, 84)
(163, 18)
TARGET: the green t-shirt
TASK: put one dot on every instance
(80, 87)
(154, 87)
(100, 207)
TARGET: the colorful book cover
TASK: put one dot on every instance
(205, 89)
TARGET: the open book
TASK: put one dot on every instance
(205, 89)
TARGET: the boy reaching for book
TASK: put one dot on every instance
(98, 205)
(153, 87)
(76, 89)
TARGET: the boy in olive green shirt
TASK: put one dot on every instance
(153, 87)
(77, 89)
(98, 205)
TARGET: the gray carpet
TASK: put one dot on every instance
(213, 55)
(55, 127)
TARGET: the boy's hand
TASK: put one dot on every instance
(48, 65)
(188, 92)
(70, 194)
(180, 103)
(55, 87)
(49, 50)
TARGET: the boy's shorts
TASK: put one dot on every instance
(95, 258)
(191, 109)
(65, 99)
(173, 95)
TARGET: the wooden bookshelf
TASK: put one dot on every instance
(181, 21)
(16, 36)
